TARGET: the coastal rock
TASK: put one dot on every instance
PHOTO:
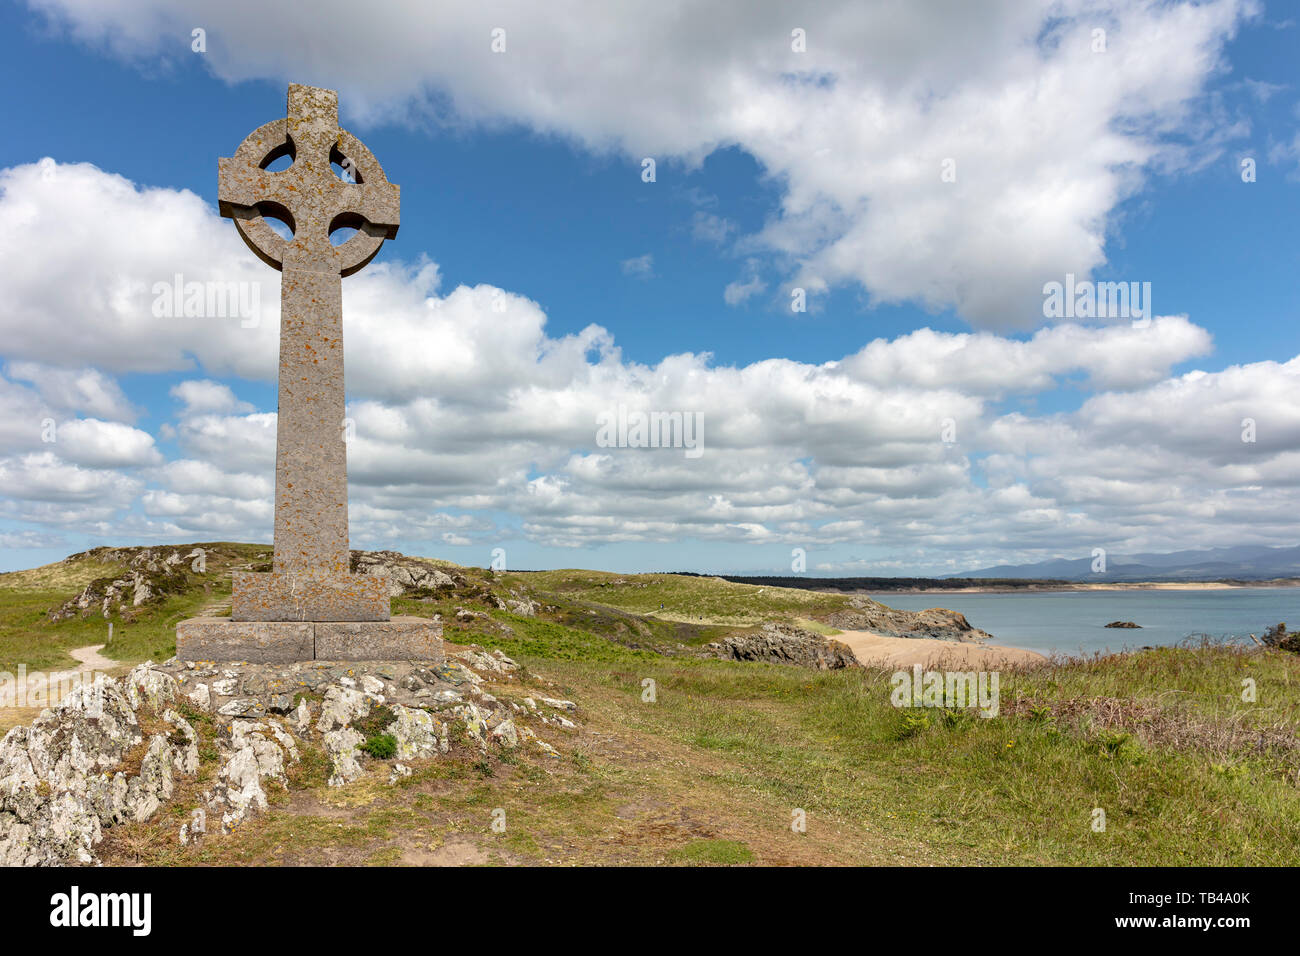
(146, 685)
(506, 734)
(935, 622)
(405, 574)
(1123, 624)
(494, 662)
(779, 644)
(117, 751)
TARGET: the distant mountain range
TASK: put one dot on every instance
(1247, 563)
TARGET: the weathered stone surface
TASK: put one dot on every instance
(221, 639)
(60, 778)
(341, 706)
(400, 639)
(418, 733)
(88, 764)
(258, 752)
(299, 596)
(506, 734)
(405, 574)
(343, 749)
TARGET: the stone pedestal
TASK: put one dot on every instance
(309, 596)
(283, 642)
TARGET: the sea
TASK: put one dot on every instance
(1073, 622)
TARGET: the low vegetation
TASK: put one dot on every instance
(1183, 755)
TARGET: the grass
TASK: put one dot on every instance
(677, 597)
(713, 851)
(715, 768)
(28, 636)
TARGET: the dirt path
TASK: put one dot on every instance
(92, 660)
(89, 661)
(876, 650)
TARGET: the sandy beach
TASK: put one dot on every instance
(876, 650)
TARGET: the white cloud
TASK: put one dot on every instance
(1047, 136)
(744, 289)
(473, 422)
(43, 477)
(639, 267)
(710, 227)
(88, 441)
(76, 390)
(207, 396)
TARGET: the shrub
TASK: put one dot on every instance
(380, 746)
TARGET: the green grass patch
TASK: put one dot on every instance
(676, 597)
(721, 852)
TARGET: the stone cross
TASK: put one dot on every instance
(310, 579)
(309, 606)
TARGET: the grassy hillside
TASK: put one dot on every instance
(28, 636)
(713, 768)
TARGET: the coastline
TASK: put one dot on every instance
(1100, 586)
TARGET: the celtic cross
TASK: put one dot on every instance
(310, 580)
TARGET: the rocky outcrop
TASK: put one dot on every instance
(1123, 624)
(114, 594)
(114, 752)
(1279, 638)
(784, 644)
(935, 622)
(406, 575)
(149, 574)
(89, 763)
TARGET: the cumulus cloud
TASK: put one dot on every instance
(88, 441)
(472, 422)
(204, 395)
(76, 390)
(952, 154)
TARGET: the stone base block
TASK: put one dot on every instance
(307, 596)
(399, 639)
(221, 639)
(282, 642)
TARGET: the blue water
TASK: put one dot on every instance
(1073, 622)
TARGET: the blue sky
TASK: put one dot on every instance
(546, 202)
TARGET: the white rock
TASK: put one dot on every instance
(201, 697)
(342, 747)
(342, 706)
(559, 704)
(302, 717)
(146, 685)
(505, 734)
(418, 733)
